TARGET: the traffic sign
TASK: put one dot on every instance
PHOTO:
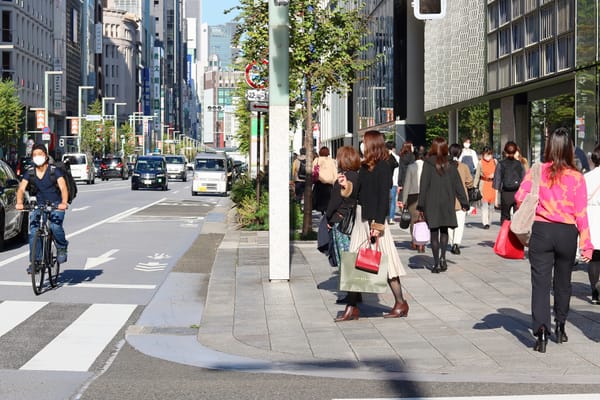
(45, 130)
(257, 74)
(257, 95)
(46, 137)
(259, 106)
(93, 117)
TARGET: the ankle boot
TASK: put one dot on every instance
(350, 313)
(443, 265)
(436, 269)
(542, 340)
(399, 310)
(561, 336)
(455, 249)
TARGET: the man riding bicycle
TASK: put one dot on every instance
(47, 189)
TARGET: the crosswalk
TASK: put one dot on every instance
(57, 336)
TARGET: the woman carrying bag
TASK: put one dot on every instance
(484, 178)
(410, 196)
(374, 183)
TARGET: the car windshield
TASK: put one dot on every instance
(174, 160)
(209, 164)
(75, 160)
(111, 161)
(149, 165)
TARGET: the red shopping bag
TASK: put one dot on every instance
(508, 244)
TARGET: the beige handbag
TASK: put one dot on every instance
(522, 220)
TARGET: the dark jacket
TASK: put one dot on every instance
(374, 192)
(339, 205)
(405, 160)
(437, 194)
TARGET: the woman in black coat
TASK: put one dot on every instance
(440, 186)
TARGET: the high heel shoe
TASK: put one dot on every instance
(443, 265)
(561, 336)
(350, 313)
(436, 269)
(399, 310)
(542, 340)
(421, 248)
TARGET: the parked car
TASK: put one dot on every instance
(22, 165)
(150, 172)
(212, 173)
(176, 167)
(113, 167)
(82, 167)
(13, 223)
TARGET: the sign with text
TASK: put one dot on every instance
(40, 119)
(75, 126)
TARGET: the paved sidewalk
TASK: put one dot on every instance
(468, 324)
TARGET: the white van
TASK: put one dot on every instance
(212, 173)
(82, 167)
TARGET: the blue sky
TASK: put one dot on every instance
(212, 11)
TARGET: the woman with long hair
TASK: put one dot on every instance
(407, 157)
(439, 190)
(507, 178)
(374, 184)
(484, 177)
(561, 216)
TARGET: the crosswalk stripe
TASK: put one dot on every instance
(14, 312)
(78, 346)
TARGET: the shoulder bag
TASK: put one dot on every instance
(522, 219)
(405, 218)
(347, 223)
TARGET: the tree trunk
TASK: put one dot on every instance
(308, 145)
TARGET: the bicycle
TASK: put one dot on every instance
(44, 247)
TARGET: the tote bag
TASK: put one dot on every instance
(421, 234)
(522, 219)
(508, 244)
(353, 279)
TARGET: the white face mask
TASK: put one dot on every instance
(466, 145)
(487, 158)
(39, 160)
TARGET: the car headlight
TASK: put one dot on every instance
(136, 174)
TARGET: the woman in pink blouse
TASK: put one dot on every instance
(561, 216)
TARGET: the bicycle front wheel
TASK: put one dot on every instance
(37, 258)
(52, 262)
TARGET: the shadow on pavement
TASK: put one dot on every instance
(513, 321)
(75, 276)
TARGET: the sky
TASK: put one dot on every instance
(212, 11)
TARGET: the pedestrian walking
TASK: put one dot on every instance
(324, 175)
(561, 215)
(507, 179)
(468, 156)
(484, 178)
(592, 181)
(439, 188)
(410, 196)
(455, 235)
(375, 180)
(299, 175)
(394, 160)
(343, 200)
(407, 157)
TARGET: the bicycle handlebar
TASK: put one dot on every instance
(32, 205)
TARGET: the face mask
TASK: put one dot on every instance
(39, 160)
(487, 158)
(466, 145)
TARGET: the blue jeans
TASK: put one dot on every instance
(393, 195)
(56, 226)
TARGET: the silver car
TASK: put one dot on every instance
(176, 167)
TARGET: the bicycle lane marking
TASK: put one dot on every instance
(114, 218)
(77, 347)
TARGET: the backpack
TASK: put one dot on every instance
(71, 185)
(512, 174)
(302, 169)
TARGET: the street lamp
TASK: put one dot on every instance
(104, 105)
(46, 101)
(80, 89)
(116, 105)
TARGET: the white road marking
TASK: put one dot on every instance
(76, 348)
(114, 218)
(80, 209)
(92, 262)
(86, 285)
(12, 313)
(152, 266)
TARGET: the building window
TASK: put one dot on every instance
(566, 51)
(547, 23)
(504, 9)
(532, 33)
(492, 47)
(532, 63)
(518, 68)
(549, 59)
(518, 35)
(565, 18)
(504, 42)
(530, 5)
(504, 73)
(517, 8)
(493, 16)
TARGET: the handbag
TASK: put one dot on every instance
(421, 233)
(522, 219)
(368, 259)
(347, 223)
(474, 194)
(405, 218)
(508, 244)
(353, 279)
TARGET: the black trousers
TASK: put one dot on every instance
(507, 201)
(552, 249)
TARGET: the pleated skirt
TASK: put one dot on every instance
(360, 236)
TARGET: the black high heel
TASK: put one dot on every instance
(436, 269)
(443, 265)
(561, 336)
(542, 340)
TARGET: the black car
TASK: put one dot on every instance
(22, 165)
(113, 167)
(13, 223)
(150, 172)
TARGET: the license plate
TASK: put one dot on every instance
(202, 188)
(147, 182)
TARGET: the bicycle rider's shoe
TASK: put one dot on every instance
(61, 255)
(29, 270)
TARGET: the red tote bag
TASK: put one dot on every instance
(508, 244)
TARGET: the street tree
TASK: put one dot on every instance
(11, 113)
(92, 131)
(326, 44)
